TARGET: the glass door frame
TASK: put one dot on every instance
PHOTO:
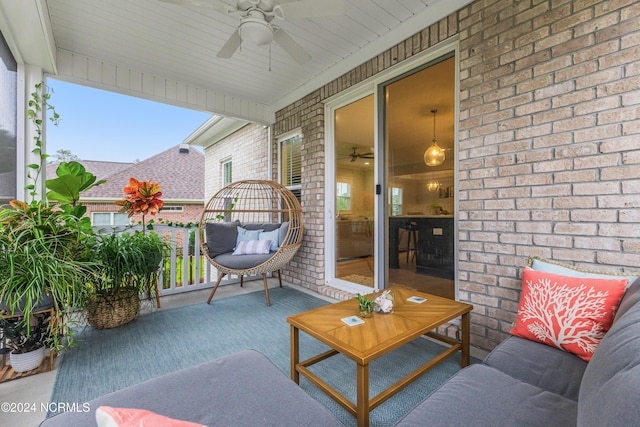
(376, 86)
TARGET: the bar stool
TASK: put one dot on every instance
(411, 229)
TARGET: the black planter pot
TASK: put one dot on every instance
(45, 302)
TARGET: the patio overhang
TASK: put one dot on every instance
(167, 52)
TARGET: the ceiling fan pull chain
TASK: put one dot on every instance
(269, 57)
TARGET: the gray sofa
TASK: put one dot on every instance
(243, 389)
(520, 383)
(523, 383)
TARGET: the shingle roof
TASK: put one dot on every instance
(97, 167)
(179, 170)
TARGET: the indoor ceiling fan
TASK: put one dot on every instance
(355, 155)
(255, 21)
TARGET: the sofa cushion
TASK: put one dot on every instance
(550, 266)
(235, 390)
(538, 364)
(569, 313)
(611, 383)
(482, 396)
(221, 237)
(106, 416)
(631, 297)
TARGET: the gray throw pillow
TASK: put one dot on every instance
(221, 237)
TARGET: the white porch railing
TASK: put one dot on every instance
(185, 268)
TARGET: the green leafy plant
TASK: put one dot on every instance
(43, 252)
(128, 260)
(43, 246)
(365, 305)
(38, 105)
(23, 338)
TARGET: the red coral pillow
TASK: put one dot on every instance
(570, 313)
(107, 416)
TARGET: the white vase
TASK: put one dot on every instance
(23, 362)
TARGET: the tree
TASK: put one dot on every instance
(65, 156)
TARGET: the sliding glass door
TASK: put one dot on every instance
(418, 121)
(391, 181)
(354, 258)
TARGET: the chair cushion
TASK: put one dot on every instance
(482, 396)
(540, 365)
(243, 262)
(221, 237)
(252, 247)
(244, 234)
(274, 236)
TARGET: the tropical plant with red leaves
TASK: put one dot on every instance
(141, 197)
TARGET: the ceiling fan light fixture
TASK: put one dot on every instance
(434, 155)
(255, 31)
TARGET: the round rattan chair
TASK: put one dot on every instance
(254, 210)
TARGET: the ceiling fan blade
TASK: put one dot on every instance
(309, 9)
(216, 5)
(290, 46)
(230, 46)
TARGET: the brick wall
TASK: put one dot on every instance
(548, 145)
(190, 213)
(247, 148)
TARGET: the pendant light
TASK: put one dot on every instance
(434, 155)
(433, 185)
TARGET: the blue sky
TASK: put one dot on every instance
(100, 125)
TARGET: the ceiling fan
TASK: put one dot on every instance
(355, 155)
(255, 21)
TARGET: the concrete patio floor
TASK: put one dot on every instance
(23, 401)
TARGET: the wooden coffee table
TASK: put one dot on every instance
(379, 335)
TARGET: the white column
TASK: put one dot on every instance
(28, 77)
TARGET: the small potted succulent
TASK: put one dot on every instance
(365, 305)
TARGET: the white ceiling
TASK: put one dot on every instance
(179, 43)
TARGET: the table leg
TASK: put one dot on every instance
(362, 385)
(466, 326)
(295, 354)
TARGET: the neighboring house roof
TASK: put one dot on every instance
(97, 167)
(179, 170)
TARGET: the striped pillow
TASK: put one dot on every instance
(252, 247)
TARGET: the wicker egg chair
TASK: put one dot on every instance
(262, 209)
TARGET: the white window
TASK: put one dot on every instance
(109, 218)
(173, 208)
(343, 196)
(396, 201)
(227, 176)
(291, 163)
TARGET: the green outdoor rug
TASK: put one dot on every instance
(167, 340)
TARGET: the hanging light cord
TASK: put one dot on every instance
(434, 126)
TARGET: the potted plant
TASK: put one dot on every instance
(131, 261)
(44, 257)
(365, 305)
(25, 345)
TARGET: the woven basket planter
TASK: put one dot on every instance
(110, 311)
